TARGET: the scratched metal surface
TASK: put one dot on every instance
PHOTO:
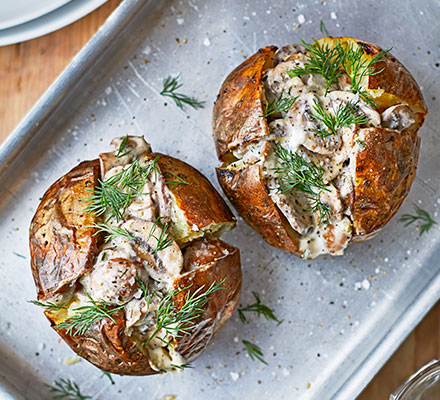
(343, 317)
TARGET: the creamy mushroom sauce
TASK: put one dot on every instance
(293, 130)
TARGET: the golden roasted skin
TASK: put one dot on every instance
(385, 170)
(216, 261)
(64, 249)
(237, 122)
(239, 107)
(199, 200)
(106, 345)
(62, 244)
(247, 191)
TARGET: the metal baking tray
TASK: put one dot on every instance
(343, 316)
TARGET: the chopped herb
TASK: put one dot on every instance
(123, 273)
(254, 351)
(322, 28)
(18, 255)
(66, 389)
(171, 85)
(86, 316)
(179, 322)
(322, 60)
(164, 239)
(346, 114)
(359, 67)
(361, 144)
(109, 376)
(113, 196)
(182, 366)
(259, 308)
(297, 173)
(178, 181)
(421, 216)
(121, 149)
(111, 231)
(147, 295)
(278, 105)
(48, 305)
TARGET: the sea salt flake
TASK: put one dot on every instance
(301, 19)
(333, 15)
(234, 376)
(366, 284)
(207, 42)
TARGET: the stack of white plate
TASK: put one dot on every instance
(22, 20)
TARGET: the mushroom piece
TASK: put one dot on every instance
(398, 117)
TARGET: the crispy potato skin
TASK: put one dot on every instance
(106, 345)
(62, 245)
(216, 261)
(247, 191)
(63, 249)
(237, 112)
(202, 204)
(385, 170)
(236, 122)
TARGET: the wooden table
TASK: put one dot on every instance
(27, 69)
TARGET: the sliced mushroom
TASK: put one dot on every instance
(113, 280)
(398, 117)
(163, 264)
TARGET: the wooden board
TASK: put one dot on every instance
(26, 71)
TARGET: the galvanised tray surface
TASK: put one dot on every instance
(343, 317)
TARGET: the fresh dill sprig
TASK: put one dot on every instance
(178, 181)
(254, 351)
(322, 60)
(421, 216)
(322, 28)
(178, 322)
(66, 389)
(164, 239)
(278, 105)
(182, 366)
(146, 293)
(48, 305)
(297, 173)
(345, 115)
(260, 309)
(113, 195)
(171, 85)
(121, 149)
(109, 376)
(86, 316)
(111, 231)
(359, 67)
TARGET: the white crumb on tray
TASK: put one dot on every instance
(333, 15)
(234, 376)
(108, 90)
(286, 372)
(180, 21)
(301, 18)
(146, 50)
(366, 284)
(357, 286)
(207, 42)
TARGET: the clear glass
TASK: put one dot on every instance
(423, 385)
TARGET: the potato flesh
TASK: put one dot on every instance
(293, 130)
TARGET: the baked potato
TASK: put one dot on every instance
(127, 262)
(318, 142)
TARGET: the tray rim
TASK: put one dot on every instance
(52, 98)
